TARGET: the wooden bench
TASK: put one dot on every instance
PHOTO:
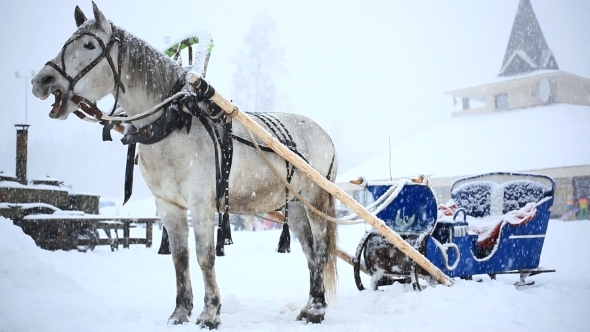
(54, 231)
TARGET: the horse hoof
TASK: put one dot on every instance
(210, 324)
(315, 314)
(179, 316)
(315, 319)
(310, 318)
(176, 320)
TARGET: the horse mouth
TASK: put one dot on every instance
(56, 106)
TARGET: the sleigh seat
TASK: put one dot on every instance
(490, 205)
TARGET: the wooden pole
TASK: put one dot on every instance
(200, 85)
(343, 255)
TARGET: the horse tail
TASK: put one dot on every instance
(331, 268)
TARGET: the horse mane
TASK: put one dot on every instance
(147, 68)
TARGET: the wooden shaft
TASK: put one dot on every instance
(327, 185)
(343, 255)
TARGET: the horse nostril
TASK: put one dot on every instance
(46, 79)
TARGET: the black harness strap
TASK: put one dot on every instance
(226, 162)
(283, 135)
(223, 145)
(262, 146)
(130, 162)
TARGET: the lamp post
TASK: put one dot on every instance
(26, 78)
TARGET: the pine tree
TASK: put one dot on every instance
(259, 64)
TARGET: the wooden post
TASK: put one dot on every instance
(203, 87)
(126, 234)
(62, 234)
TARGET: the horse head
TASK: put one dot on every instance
(85, 66)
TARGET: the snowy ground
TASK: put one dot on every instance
(134, 290)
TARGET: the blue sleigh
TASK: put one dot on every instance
(494, 224)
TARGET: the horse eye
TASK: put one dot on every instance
(89, 45)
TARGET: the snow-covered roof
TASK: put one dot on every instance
(11, 184)
(517, 140)
(28, 206)
(468, 90)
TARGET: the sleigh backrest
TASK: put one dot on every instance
(499, 193)
(413, 211)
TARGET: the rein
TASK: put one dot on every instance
(97, 115)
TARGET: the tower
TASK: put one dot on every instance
(527, 49)
(529, 75)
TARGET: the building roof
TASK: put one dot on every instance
(527, 49)
(518, 140)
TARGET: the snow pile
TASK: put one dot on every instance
(34, 292)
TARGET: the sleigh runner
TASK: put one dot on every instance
(494, 224)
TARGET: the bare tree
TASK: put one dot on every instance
(260, 64)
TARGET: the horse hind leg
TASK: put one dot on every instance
(175, 221)
(318, 240)
(299, 225)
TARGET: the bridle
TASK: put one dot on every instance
(80, 101)
(88, 106)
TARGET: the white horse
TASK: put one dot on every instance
(101, 58)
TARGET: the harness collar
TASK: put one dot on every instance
(173, 118)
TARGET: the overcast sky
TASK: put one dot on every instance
(365, 70)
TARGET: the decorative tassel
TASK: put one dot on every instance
(285, 240)
(226, 229)
(165, 245)
(219, 249)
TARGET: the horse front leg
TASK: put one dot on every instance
(204, 228)
(175, 221)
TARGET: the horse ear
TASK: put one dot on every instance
(79, 16)
(101, 20)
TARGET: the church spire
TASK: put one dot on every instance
(527, 49)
